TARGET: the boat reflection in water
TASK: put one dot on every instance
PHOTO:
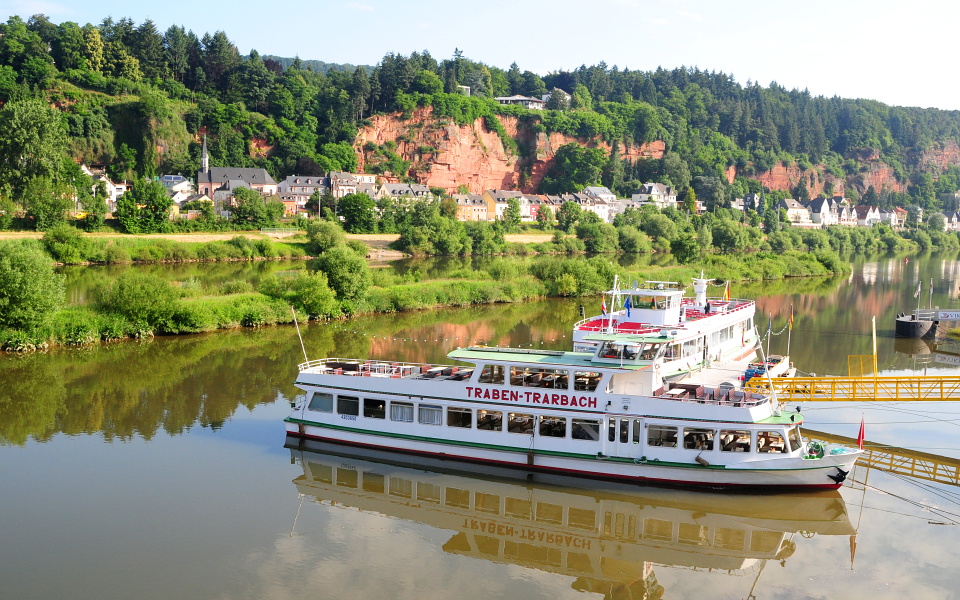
(608, 537)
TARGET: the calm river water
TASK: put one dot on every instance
(158, 469)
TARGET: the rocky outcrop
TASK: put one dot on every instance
(446, 155)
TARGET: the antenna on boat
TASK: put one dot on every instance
(297, 325)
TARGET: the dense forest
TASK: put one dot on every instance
(136, 100)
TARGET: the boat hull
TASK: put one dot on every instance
(909, 327)
(798, 473)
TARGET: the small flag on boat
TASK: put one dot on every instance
(627, 305)
(791, 317)
(916, 294)
(860, 436)
(726, 292)
(603, 306)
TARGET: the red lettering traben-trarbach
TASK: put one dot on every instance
(531, 397)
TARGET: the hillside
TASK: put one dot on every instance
(139, 101)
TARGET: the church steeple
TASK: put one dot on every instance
(204, 157)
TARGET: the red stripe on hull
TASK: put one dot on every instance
(568, 472)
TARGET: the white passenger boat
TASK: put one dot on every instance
(575, 413)
(688, 333)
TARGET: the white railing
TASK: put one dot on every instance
(369, 368)
(280, 230)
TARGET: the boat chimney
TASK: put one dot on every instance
(700, 289)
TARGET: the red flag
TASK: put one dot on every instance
(860, 435)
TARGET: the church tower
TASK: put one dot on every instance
(204, 157)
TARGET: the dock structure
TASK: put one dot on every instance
(859, 389)
(900, 461)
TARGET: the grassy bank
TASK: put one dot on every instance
(339, 284)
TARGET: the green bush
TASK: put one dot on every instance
(66, 244)
(324, 235)
(147, 301)
(347, 273)
(29, 289)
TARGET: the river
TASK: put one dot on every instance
(157, 469)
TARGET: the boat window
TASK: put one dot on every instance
(553, 426)
(649, 351)
(582, 518)
(662, 435)
(518, 508)
(430, 415)
(770, 441)
(490, 420)
(321, 402)
(696, 438)
(793, 437)
(612, 430)
(585, 381)
(636, 431)
(347, 405)
(348, 477)
(401, 411)
(457, 497)
(549, 513)
(736, 440)
(624, 431)
(488, 503)
(693, 534)
(374, 482)
(374, 408)
(690, 348)
(428, 492)
(658, 529)
(491, 374)
(459, 417)
(401, 487)
(519, 423)
(731, 539)
(585, 429)
(540, 378)
(672, 352)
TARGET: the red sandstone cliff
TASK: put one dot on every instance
(446, 155)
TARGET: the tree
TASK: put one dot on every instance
(574, 167)
(30, 291)
(568, 215)
(545, 217)
(251, 210)
(32, 143)
(581, 99)
(598, 236)
(359, 213)
(690, 201)
(46, 202)
(145, 208)
(729, 237)
(347, 272)
(147, 301)
(685, 248)
(511, 215)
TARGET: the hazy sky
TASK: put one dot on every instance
(900, 53)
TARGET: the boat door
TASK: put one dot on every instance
(623, 436)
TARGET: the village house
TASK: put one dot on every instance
(797, 214)
(867, 216)
(496, 201)
(524, 101)
(299, 188)
(214, 180)
(658, 194)
(396, 191)
(600, 193)
(951, 221)
(470, 207)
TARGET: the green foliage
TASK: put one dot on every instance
(512, 216)
(568, 214)
(145, 208)
(29, 289)
(324, 235)
(598, 237)
(147, 301)
(574, 167)
(591, 276)
(251, 210)
(46, 201)
(685, 249)
(347, 273)
(308, 291)
(32, 143)
(359, 213)
(66, 244)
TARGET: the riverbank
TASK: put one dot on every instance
(341, 284)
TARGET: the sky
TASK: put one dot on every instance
(900, 53)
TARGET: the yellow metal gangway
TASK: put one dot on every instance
(860, 385)
(859, 389)
(901, 461)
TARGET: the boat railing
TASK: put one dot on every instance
(353, 367)
(720, 396)
(722, 307)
